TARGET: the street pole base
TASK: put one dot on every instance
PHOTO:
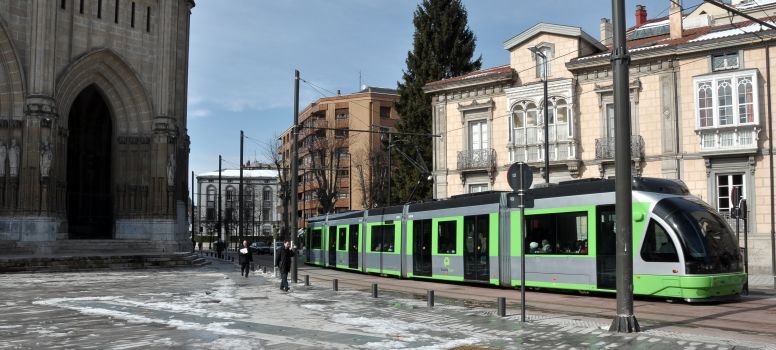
(625, 324)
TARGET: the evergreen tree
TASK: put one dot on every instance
(442, 48)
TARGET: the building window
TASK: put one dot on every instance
(99, 8)
(230, 197)
(658, 246)
(724, 61)
(341, 114)
(524, 124)
(116, 13)
(63, 4)
(385, 112)
(725, 186)
(478, 135)
(540, 61)
(132, 19)
(148, 19)
(726, 100)
(341, 133)
(81, 7)
(476, 188)
(561, 233)
(446, 242)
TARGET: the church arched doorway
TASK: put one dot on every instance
(89, 178)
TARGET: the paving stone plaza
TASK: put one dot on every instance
(214, 308)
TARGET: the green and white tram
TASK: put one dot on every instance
(682, 248)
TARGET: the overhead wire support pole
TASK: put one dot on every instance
(625, 321)
(295, 175)
(191, 218)
(240, 193)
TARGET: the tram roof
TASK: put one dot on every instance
(563, 189)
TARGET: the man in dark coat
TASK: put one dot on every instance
(283, 263)
(245, 258)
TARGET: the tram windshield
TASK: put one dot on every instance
(707, 241)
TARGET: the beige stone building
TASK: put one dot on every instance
(700, 89)
(336, 126)
(93, 139)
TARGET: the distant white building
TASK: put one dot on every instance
(260, 202)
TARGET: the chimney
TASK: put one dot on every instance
(606, 32)
(675, 19)
(641, 15)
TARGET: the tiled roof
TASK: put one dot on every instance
(478, 74)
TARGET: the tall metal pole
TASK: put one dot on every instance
(546, 125)
(389, 171)
(219, 224)
(240, 193)
(625, 320)
(295, 174)
(193, 228)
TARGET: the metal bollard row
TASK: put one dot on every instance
(502, 306)
(430, 298)
(374, 290)
(335, 285)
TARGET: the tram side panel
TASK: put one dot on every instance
(559, 248)
(315, 245)
(383, 247)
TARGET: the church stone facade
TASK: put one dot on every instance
(93, 138)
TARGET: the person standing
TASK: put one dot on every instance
(245, 258)
(283, 263)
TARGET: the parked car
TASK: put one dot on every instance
(260, 248)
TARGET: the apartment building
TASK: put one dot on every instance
(700, 105)
(339, 147)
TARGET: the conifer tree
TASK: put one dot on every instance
(443, 47)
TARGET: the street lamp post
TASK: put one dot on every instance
(538, 52)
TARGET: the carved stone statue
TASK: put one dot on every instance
(13, 158)
(171, 170)
(46, 155)
(3, 154)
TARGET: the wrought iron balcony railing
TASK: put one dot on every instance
(477, 159)
(604, 147)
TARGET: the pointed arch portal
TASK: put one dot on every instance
(89, 198)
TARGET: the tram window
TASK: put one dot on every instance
(447, 237)
(342, 238)
(561, 233)
(383, 238)
(658, 246)
(317, 239)
(354, 231)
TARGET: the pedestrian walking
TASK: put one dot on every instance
(220, 248)
(245, 258)
(283, 263)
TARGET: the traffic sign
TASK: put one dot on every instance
(514, 174)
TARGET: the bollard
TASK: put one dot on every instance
(253, 267)
(264, 270)
(334, 285)
(306, 280)
(502, 306)
(374, 290)
(430, 298)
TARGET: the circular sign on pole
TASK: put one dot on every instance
(515, 172)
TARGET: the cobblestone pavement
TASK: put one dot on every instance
(214, 308)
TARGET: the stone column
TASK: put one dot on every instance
(40, 112)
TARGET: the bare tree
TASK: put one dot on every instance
(326, 158)
(372, 177)
(273, 153)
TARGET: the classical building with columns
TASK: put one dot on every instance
(93, 138)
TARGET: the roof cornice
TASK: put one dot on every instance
(458, 84)
(551, 29)
(676, 50)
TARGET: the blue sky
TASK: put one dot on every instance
(243, 54)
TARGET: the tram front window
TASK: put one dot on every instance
(707, 241)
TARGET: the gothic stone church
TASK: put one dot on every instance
(93, 139)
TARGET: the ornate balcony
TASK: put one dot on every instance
(478, 159)
(604, 147)
(729, 139)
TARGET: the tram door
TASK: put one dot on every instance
(353, 247)
(332, 245)
(421, 247)
(476, 265)
(606, 248)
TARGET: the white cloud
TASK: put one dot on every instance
(199, 113)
